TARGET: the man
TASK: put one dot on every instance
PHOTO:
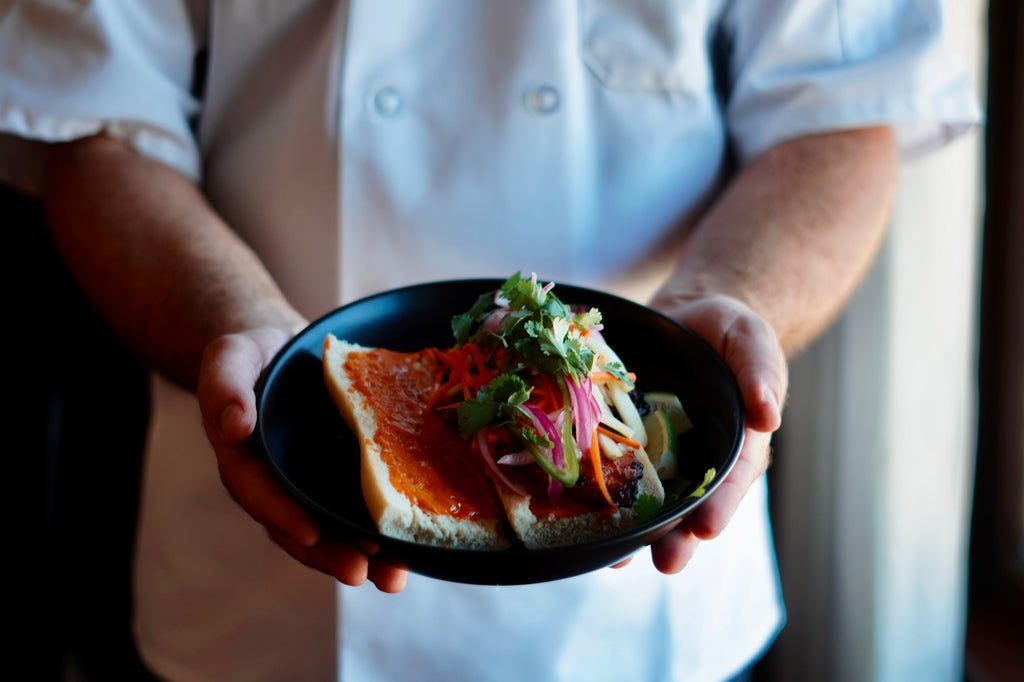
(341, 149)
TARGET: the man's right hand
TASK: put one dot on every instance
(231, 366)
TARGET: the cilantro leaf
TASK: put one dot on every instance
(619, 372)
(647, 507)
(709, 476)
(463, 324)
(587, 319)
(531, 437)
(495, 404)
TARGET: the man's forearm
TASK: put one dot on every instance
(152, 256)
(795, 232)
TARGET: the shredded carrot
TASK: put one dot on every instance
(499, 353)
(445, 360)
(545, 394)
(631, 442)
(595, 461)
(601, 375)
(441, 391)
(474, 352)
(467, 383)
(466, 373)
(545, 401)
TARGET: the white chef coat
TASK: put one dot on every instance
(363, 145)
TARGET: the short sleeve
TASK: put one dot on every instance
(803, 67)
(69, 69)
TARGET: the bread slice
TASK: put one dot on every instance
(544, 527)
(420, 481)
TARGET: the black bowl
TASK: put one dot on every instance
(312, 452)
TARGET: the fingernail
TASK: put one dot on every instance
(768, 399)
(307, 537)
(229, 418)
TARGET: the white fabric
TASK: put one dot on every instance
(74, 69)
(574, 629)
(217, 600)
(871, 62)
(355, 152)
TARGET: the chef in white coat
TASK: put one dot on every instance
(216, 174)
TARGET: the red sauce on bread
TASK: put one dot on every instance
(427, 460)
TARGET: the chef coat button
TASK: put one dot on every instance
(386, 102)
(541, 99)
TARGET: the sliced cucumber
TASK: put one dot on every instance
(623, 404)
(609, 448)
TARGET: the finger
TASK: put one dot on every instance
(749, 347)
(671, 553)
(623, 563)
(230, 368)
(387, 576)
(251, 484)
(711, 517)
(752, 351)
(345, 563)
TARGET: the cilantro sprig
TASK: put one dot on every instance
(496, 404)
(542, 332)
(542, 335)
